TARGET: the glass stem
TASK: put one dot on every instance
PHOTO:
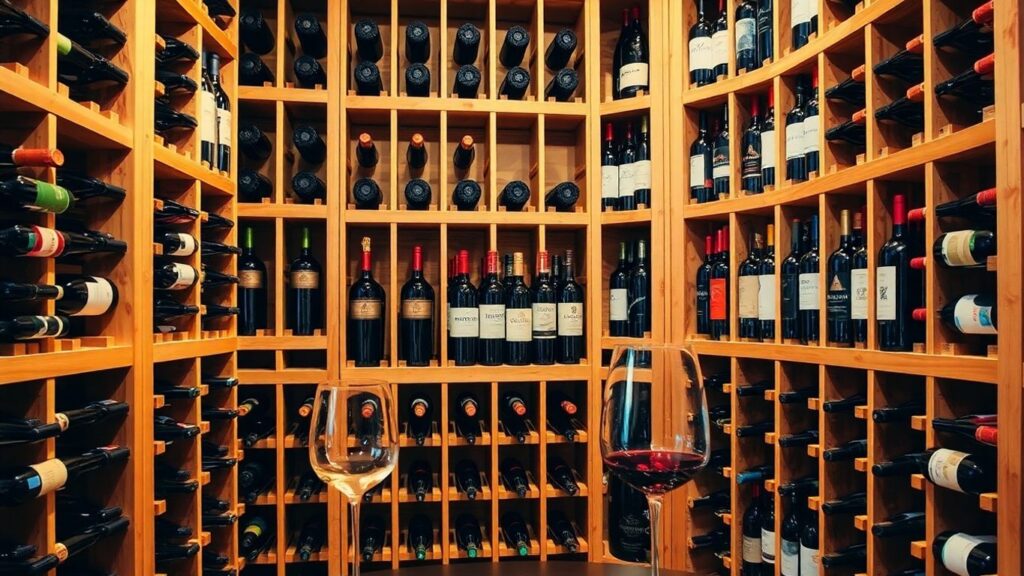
(355, 537)
(654, 503)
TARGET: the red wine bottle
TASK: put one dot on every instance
(571, 341)
(703, 285)
(22, 430)
(796, 162)
(516, 533)
(700, 49)
(609, 169)
(366, 314)
(859, 296)
(41, 242)
(639, 294)
(421, 536)
(750, 165)
(812, 126)
(417, 80)
(971, 36)
(809, 551)
(464, 153)
(467, 44)
(420, 480)
(545, 312)
(765, 27)
(766, 287)
(642, 166)
(256, 536)
(420, 418)
(701, 162)
(366, 194)
(367, 79)
(369, 45)
(802, 13)
(310, 144)
(463, 315)
(968, 314)
(513, 413)
(518, 316)
(951, 469)
(627, 171)
(222, 116)
(366, 151)
(252, 288)
(304, 296)
(310, 539)
(978, 429)
(721, 170)
(562, 85)
(562, 476)
(562, 531)
(416, 324)
(964, 248)
(720, 43)
(897, 285)
(19, 485)
(68, 547)
(718, 293)
(513, 48)
(18, 21)
(749, 288)
(467, 478)
(797, 440)
(416, 152)
(514, 477)
(752, 523)
(965, 554)
(467, 81)
(491, 299)
(852, 132)
(254, 31)
(629, 522)
(311, 35)
(560, 49)
(309, 72)
(634, 61)
(467, 418)
(562, 415)
(371, 537)
(838, 292)
(253, 143)
(852, 557)
(767, 532)
(515, 84)
(746, 36)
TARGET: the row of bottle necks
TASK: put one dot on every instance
(900, 309)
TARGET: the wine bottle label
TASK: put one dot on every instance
(746, 32)
(749, 288)
(465, 322)
(545, 321)
(634, 75)
(808, 560)
(838, 297)
(751, 550)
(250, 279)
(208, 117)
(184, 277)
(305, 279)
(618, 305)
(766, 297)
(50, 475)
(809, 291)
(720, 48)
(790, 562)
(812, 127)
(885, 293)
(492, 321)
(609, 181)
(859, 294)
(570, 319)
(186, 246)
(642, 175)
(60, 550)
(698, 170)
(63, 421)
(768, 546)
(44, 243)
(971, 318)
(750, 165)
(790, 296)
(51, 198)
(365, 309)
(794, 140)
(99, 296)
(719, 299)
(224, 127)
(768, 149)
(720, 163)
(942, 468)
(417, 309)
(957, 246)
(700, 53)
(799, 12)
(519, 324)
(627, 174)
(957, 550)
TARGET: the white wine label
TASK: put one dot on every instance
(766, 297)
(570, 319)
(465, 323)
(250, 279)
(768, 546)
(720, 165)
(48, 326)
(224, 127)
(185, 277)
(809, 291)
(305, 279)
(700, 53)
(187, 246)
(957, 246)
(799, 12)
(365, 309)
(971, 318)
(859, 294)
(698, 170)
(545, 321)
(627, 173)
(790, 562)
(642, 175)
(208, 117)
(812, 9)
(492, 321)
(749, 289)
(885, 293)
(957, 550)
(519, 325)
(808, 560)
(746, 32)
(417, 309)
(609, 181)
(99, 295)
(942, 467)
(812, 127)
(719, 48)
(768, 149)
(751, 550)
(618, 305)
(794, 141)
(45, 242)
(632, 75)
(50, 475)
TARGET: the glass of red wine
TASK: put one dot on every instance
(654, 424)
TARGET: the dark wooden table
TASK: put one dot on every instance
(527, 569)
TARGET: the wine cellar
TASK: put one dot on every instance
(211, 207)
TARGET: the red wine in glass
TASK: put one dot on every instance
(654, 471)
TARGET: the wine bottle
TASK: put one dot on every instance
(561, 415)
(639, 294)
(801, 15)
(14, 20)
(40, 242)
(765, 25)
(420, 480)
(417, 80)
(463, 315)
(749, 287)
(718, 287)
(168, 429)
(797, 440)
(628, 521)
(220, 153)
(796, 162)
(252, 71)
(720, 43)
(515, 84)
(23, 430)
(852, 132)
(514, 196)
(514, 477)
(516, 533)
(618, 301)
(366, 194)
(908, 525)
(254, 31)
(754, 389)
(211, 249)
(766, 288)
(703, 285)
(750, 165)
(369, 45)
(311, 35)
(979, 207)
(512, 411)
(641, 171)
(513, 48)
(906, 65)
(174, 276)
(304, 298)
(310, 144)
(752, 519)
(417, 316)
(19, 485)
(971, 36)
(252, 289)
(465, 153)
(965, 554)
(166, 309)
(701, 163)
(371, 537)
(545, 312)
(964, 248)
(789, 547)
(562, 85)
(81, 68)
(968, 314)
(844, 405)
(812, 125)
(367, 78)
(903, 111)
(367, 302)
(175, 50)
(851, 90)
(898, 413)
(309, 72)
(467, 44)
(571, 341)
(68, 547)
(982, 432)
(848, 451)
(767, 532)
(253, 186)
(809, 553)
(855, 503)
(720, 158)
(754, 429)
(518, 316)
(467, 421)
(746, 36)
(854, 557)
(701, 51)
(563, 533)
(563, 196)
(560, 49)
(562, 476)
(416, 152)
(467, 81)
(467, 478)
(256, 536)
(897, 286)
(609, 169)
(838, 295)
(718, 500)
(219, 8)
(951, 469)
(366, 151)
(417, 194)
(491, 299)
(254, 144)
(421, 536)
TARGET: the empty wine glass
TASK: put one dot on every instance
(353, 441)
(654, 424)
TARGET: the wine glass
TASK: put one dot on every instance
(654, 424)
(353, 440)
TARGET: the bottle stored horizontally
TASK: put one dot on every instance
(21, 485)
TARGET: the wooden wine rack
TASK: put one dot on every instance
(955, 374)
